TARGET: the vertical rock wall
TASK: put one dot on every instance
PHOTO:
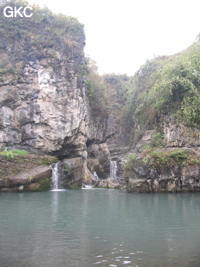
(43, 105)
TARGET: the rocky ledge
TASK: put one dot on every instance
(164, 170)
(25, 173)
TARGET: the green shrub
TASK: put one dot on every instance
(157, 140)
(168, 86)
(162, 159)
(11, 153)
(159, 160)
(129, 162)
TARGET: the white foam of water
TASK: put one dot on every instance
(113, 169)
(58, 190)
(87, 186)
(126, 262)
(95, 174)
(55, 179)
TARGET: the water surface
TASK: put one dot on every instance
(99, 227)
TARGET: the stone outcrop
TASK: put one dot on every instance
(43, 110)
(176, 176)
(180, 135)
(112, 183)
(99, 159)
(43, 104)
(75, 172)
(25, 173)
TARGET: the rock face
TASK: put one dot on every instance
(76, 172)
(25, 173)
(111, 183)
(185, 181)
(99, 159)
(43, 105)
(43, 108)
(165, 174)
(172, 167)
(180, 135)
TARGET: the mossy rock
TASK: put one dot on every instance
(42, 185)
(45, 184)
(75, 186)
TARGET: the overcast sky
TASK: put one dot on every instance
(121, 35)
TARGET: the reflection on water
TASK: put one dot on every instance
(99, 227)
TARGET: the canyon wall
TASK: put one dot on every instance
(43, 105)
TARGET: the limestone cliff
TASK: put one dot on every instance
(165, 112)
(47, 107)
(43, 105)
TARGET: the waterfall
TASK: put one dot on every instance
(95, 174)
(87, 186)
(113, 169)
(55, 179)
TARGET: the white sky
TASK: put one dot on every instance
(121, 35)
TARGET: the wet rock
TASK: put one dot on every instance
(111, 183)
(179, 135)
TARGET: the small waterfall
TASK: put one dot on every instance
(55, 179)
(87, 186)
(113, 169)
(95, 174)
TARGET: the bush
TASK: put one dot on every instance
(11, 153)
(168, 85)
(129, 162)
(166, 158)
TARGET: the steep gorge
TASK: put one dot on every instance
(53, 102)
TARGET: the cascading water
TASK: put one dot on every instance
(55, 179)
(113, 169)
(55, 176)
(95, 174)
(89, 186)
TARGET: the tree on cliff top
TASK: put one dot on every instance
(169, 86)
(43, 21)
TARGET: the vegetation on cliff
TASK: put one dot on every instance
(43, 29)
(50, 45)
(12, 152)
(164, 88)
(168, 85)
(162, 159)
(108, 94)
(164, 85)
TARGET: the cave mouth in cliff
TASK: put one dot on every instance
(101, 175)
